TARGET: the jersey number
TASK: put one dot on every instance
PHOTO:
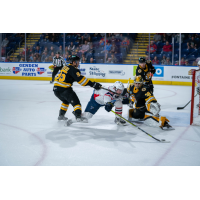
(61, 77)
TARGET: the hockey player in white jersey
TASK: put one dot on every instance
(114, 97)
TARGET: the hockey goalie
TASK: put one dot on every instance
(146, 106)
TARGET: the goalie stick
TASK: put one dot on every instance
(162, 140)
(179, 108)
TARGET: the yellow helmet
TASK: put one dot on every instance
(138, 79)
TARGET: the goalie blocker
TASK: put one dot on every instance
(146, 105)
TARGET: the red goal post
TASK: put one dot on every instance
(195, 110)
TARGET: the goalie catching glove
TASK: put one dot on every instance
(108, 106)
(153, 107)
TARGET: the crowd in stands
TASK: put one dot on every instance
(161, 48)
(90, 48)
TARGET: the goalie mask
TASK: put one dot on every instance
(138, 81)
(119, 87)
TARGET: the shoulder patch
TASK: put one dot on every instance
(143, 89)
(139, 71)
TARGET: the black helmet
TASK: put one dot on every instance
(74, 58)
(142, 60)
(57, 52)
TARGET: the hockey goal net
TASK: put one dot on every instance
(195, 99)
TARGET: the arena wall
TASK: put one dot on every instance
(165, 75)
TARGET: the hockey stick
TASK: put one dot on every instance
(179, 108)
(163, 140)
(109, 90)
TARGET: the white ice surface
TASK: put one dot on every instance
(30, 133)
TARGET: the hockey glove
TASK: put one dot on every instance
(198, 90)
(108, 106)
(96, 86)
(125, 101)
(153, 70)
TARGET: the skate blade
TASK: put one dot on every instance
(167, 128)
(68, 122)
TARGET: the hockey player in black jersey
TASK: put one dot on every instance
(145, 69)
(63, 88)
(146, 105)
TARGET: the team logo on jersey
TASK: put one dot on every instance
(139, 70)
(16, 70)
(143, 89)
(40, 70)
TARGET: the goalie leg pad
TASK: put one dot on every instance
(151, 120)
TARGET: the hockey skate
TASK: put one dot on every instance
(62, 115)
(77, 119)
(120, 121)
(164, 124)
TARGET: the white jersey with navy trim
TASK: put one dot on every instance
(103, 96)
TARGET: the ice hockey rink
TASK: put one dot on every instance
(30, 133)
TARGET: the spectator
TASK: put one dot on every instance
(187, 63)
(22, 59)
(163, 60)
(182, 61)
(164, 38)
(194, 63)
(155, 61)
(46, 59)
(167, 47)
(37, 50)
(85, 47)
(82, 41)
(107, 48)
(114, 48)
(52, 54)
(14, 59)
(113, 39)
(147, 57)
(52, 50)
(125, 43)
(86, 36)
(102, 42)
(44, 56)
(157, 37)
(91, 60)
(113, 59)
(31, 57)
(153, 47)
(34, 59)
(19, 56)
(83, 59)
(71, 47)
(177, 37)
(30, 50)
(60, 49)
(109, 60)
(66, 57)
(192, 41)
(188, 46)
(24, 51)
(78, 37)
(50, 59)
(168, 62)
(7, 59)
(5, 42)
(177, 63)
(46, 50)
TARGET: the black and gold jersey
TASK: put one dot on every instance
(68, 75)
(141, 96)
(145, 73)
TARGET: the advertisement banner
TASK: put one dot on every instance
(99, 72)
